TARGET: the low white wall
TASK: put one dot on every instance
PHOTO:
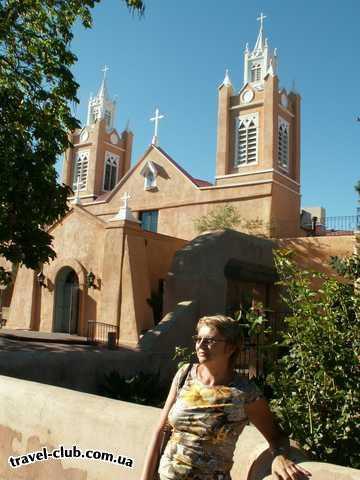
(33, 416)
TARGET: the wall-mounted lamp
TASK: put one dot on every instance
(90, 280)
(41, 280)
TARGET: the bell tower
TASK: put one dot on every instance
(258, 136)
(99, 156)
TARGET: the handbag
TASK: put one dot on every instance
(167, 429)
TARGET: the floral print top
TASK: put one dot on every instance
(206, 424)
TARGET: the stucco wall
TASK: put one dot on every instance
(315, 252)
(29, 422)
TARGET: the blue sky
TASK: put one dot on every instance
(176, 55)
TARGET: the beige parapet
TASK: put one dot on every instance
(34, 416)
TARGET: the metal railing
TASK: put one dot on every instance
(331, 226)
(252, 356)
(98, 332)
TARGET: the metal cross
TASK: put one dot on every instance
(156, 120)
(125, 198)
(105, 69)
(261, 18)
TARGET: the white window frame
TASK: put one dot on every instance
(283, 144)
(246, 121)
(150, 173)
(81, 169)
(112, 160)
(150, 180)
(255, 71)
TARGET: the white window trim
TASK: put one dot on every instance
(283, 123)
(247, 119)
(82, 154)
(116, 158)
(149, 167)
(256, 67)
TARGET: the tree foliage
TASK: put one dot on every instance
(37, 89)
(220, 218)
(227, 216)
(317, 383)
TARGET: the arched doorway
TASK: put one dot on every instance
(66, 301)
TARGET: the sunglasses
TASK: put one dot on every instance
(207, 341)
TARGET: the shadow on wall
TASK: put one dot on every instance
(198, 269)
(175, 329)
(315, 252)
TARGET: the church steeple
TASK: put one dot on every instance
(101, 106)
(260, 61)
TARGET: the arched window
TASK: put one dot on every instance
(110, 170)
(247, 140)
(108, 118)
(149, 172)
(283, 144)
(150, 180)
(256, 72)
(80, 170)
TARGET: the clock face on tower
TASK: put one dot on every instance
(247, 96)
(114, 138)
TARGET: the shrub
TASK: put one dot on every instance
(316, 384)
(220, 218)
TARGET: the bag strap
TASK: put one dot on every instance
(183, 378)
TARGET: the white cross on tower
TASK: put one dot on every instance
(104, 70)
(125, 198)
(261, 19)
(155, 140)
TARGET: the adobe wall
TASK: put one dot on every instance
(29, 422)
(180, 202)
(198, 270)
(315, 252)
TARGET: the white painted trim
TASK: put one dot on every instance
(82, 196)
(85, 144)
(246, 120)
(287, 188)
(114, 146)
(256, 182)
(284, 123)
(81, 153)
(117, 160)
(286, 176)
(247, 105)
(268, 170)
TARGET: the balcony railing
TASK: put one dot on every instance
(345, 225)
(98, 332)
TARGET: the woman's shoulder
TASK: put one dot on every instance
(182, 373)
(248, 387)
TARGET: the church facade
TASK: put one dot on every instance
(257, 160)
(117, 243)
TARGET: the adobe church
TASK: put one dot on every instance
(117, 244)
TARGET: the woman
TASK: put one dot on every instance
(209, 412)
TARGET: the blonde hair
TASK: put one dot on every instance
(229, 329)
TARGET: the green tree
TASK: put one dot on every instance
(37, 89)
(316, 383)
(219, 218)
